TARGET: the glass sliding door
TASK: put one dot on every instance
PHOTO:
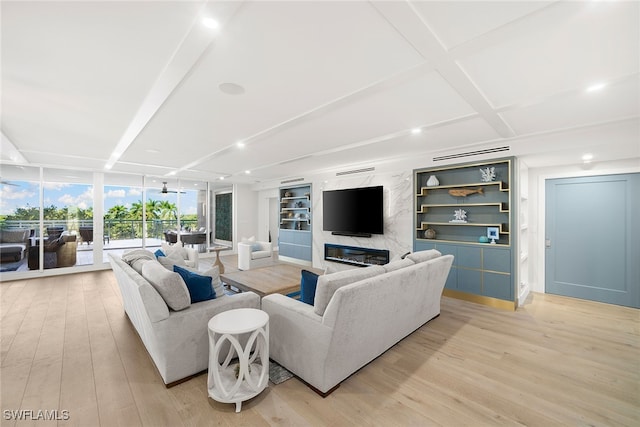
(123, 225)
(19, 217)
(192, 208)
(161, 208)
(68, 218)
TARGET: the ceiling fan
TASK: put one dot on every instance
(165, 190)
(3, 182)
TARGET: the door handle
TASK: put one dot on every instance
(547, 243)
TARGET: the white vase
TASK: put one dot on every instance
(432, 181)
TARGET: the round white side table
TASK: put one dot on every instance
(244, 373)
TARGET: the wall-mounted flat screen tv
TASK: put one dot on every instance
(353, 211)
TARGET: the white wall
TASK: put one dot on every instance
(398, 202)
(245, 212)
(398, 218)
(537, 177)
(265, 221)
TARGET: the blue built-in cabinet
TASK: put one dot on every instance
(294, 238)
(481, 272)
(295, 244)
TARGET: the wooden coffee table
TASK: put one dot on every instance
(275, 279)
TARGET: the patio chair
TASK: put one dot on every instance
(171, 237)
(86, 234)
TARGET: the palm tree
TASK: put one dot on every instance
(117, 229)
(168, 210)
(153, 209)
(117, 212)
(135, 211)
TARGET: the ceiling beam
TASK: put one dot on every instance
(187, 54)
(408, 22)
(10, 151)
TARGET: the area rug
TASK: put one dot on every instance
(277, 374)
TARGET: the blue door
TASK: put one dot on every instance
(593, 238)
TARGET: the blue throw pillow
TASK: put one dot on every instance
(159, 253)
(308, 284)
(199, 286)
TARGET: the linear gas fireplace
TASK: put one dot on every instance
(353, 255)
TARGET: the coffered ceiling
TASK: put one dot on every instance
(310, 86)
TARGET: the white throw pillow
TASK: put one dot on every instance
(176, 250)
(423, 256)
(169, 285)
(397, 265)
(172, 259)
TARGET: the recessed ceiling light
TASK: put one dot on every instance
(152, 151)
(587, 157)
(596, 87)
(240, 144)
(416, 131)
(210, 23)
(222, 178)
(247, 172)
(231, 88)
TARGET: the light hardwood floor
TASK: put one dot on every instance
(66, 344)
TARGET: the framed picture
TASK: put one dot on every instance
(493, 233)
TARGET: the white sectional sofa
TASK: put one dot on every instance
(177, 341)
(357, 315)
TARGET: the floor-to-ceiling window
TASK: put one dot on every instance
(68, 218)
(161, 208)
(122, 223)
(193, 208)
(19, 217)
(56, 207)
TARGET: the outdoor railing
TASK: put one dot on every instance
(116, 229)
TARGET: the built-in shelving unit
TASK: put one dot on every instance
(294, 239)
(523, 238)
(456, 206)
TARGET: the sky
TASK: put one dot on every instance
(81, 195)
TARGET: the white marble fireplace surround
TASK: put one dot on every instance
(398, 219)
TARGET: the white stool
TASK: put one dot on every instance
(236, 382)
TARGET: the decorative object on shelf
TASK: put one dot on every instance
(459, 215)
(493, 233)
(433, 181)
(429, 233)
(488, 174)
(297, 216)
(464, 192)
(299, 204)
(288, 194)
(290, 215)
(490, 193)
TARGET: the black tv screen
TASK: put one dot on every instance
(354, 211)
